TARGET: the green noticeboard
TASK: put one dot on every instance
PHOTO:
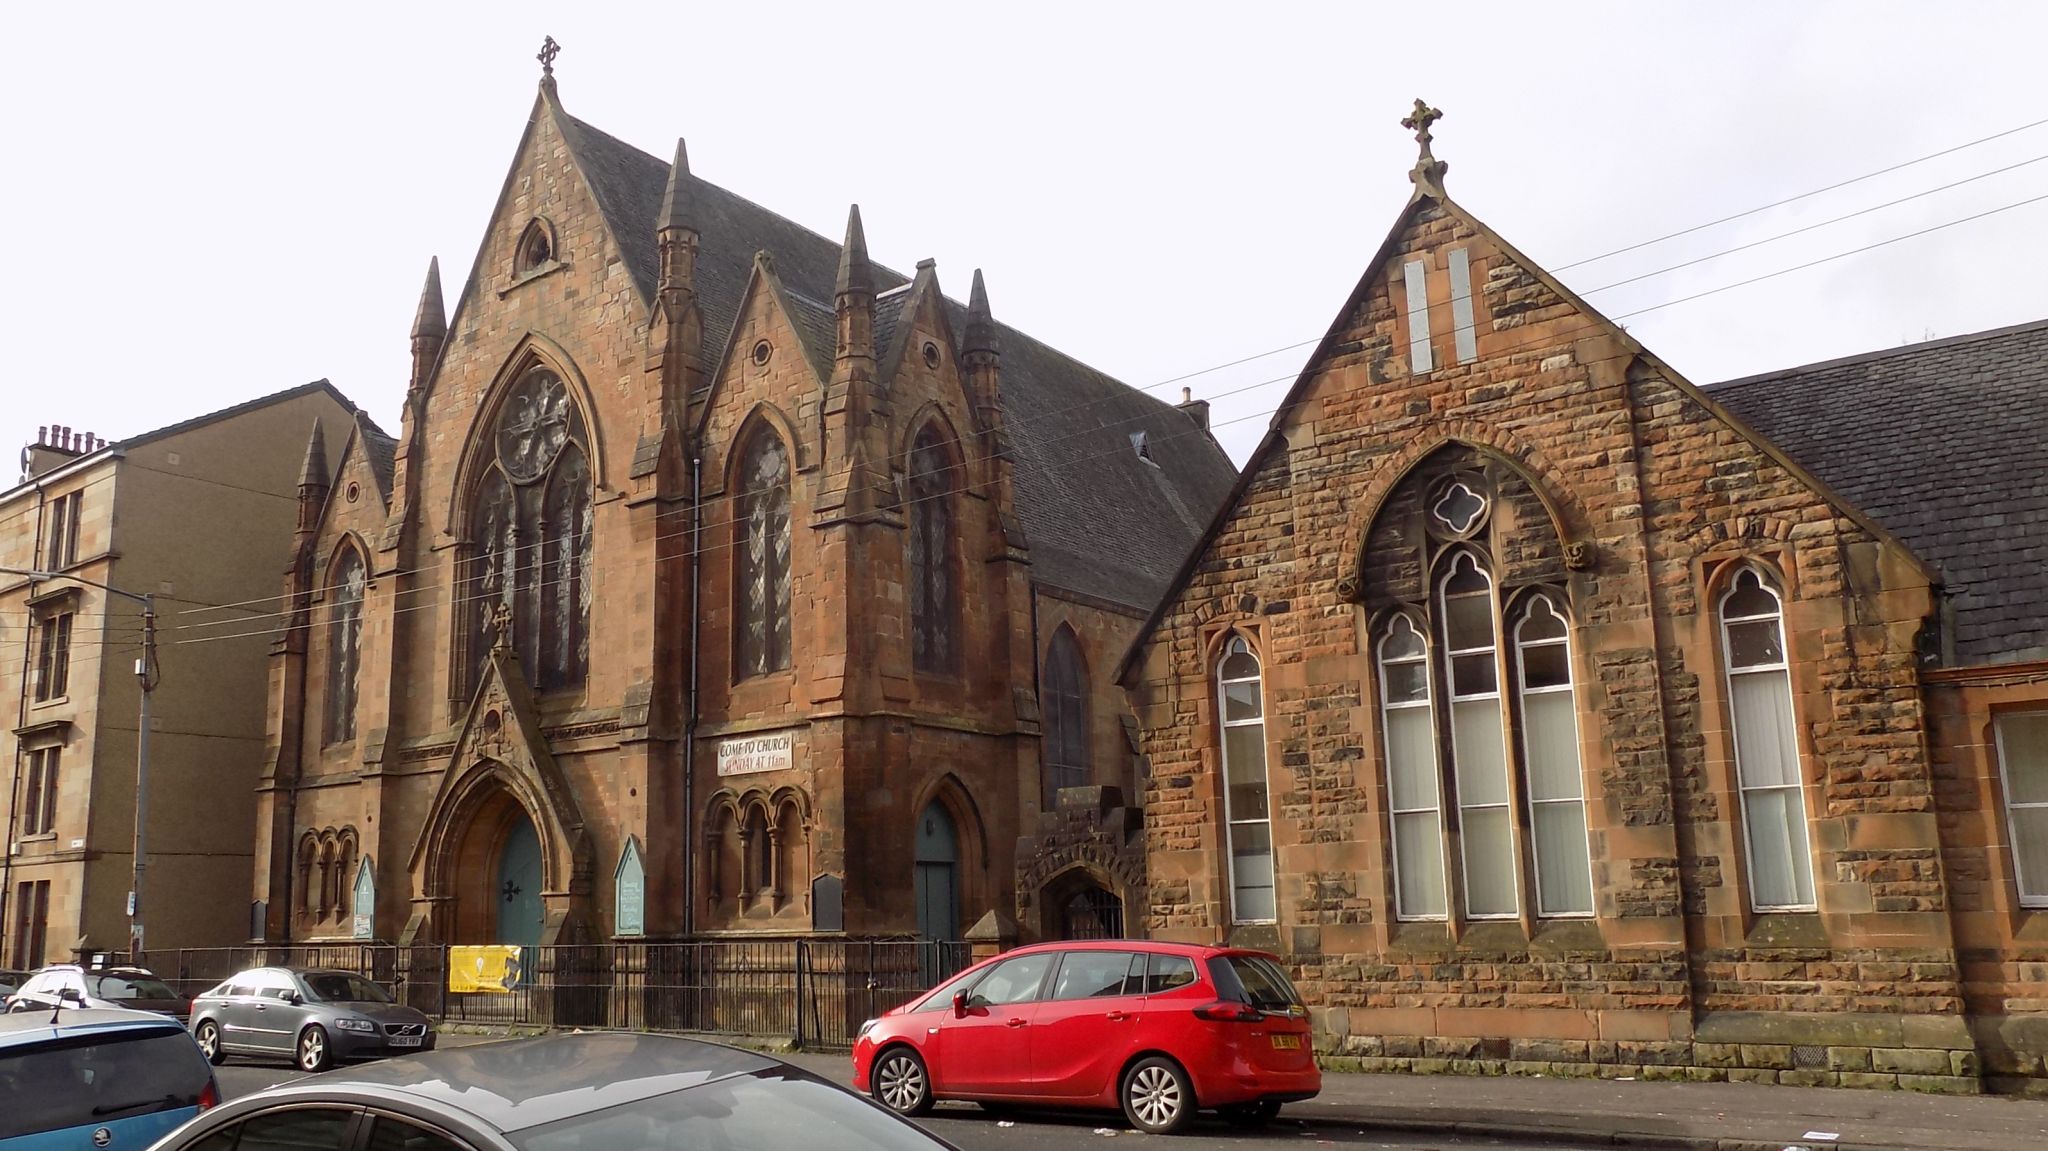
(630, 915)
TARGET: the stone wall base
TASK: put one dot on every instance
(1938, 1055)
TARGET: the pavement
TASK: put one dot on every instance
(1636, 1114)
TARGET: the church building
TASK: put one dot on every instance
(1553, 715)
(719, 581)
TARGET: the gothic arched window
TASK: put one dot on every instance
(1766, 746)
(1247, 814)
(1550, 745)
(344, 645)
(761, 587)
(1446, 734)
(1064, 713)
(529, 546)
(934, 591)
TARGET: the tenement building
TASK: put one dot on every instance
(1554, 715)
(719, 581)
(192, 515)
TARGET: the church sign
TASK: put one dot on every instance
(746, 755)
(365, 900)
(630, 914)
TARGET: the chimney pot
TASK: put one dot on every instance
(1186, 394)
(42, 435)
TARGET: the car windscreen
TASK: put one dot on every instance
(762, 1112)
(129, 987)
(1255, 980)
(90, 1080)
(338, 987)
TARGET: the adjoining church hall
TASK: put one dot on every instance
(1552, 714)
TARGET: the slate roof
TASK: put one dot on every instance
(1098, 520)
(380, 449)
(1945, 444)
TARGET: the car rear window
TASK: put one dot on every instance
(763, 1112)
(131, 987)
(1253, 979)
(1167, 972)
(334, 987)
(74, 1081)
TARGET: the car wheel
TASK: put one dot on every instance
(1157, 1097)
(208, 1036)
(314, 1052)
(1249, 1115)
(901, 1083)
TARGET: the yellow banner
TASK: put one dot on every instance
(493, 969)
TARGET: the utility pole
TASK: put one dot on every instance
(146, 676)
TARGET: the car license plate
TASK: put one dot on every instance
(1287, 1042)
(414, 1040)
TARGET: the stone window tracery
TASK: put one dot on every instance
(344, 645)
(1064, 712)
(761, 556)
(1449, 739)
(934, 591)
(530, 531)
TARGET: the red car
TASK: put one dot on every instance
(1159, 1029)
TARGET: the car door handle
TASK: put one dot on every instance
(1116, 1017)
(1013, 1023)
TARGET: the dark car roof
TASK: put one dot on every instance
(522, 1083)
(24, 1028)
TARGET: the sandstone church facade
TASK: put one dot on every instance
(718, 581)
(1553, 715)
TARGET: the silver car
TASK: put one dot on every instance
(607, 1091)
(314, 1017)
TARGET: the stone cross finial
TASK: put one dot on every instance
(1418, 121)
(549, 50)
(1429, 171)
(501, 622)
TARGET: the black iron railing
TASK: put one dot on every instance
(814, 992)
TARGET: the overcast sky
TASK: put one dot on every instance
(209, 204)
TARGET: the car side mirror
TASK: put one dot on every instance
(70, 995)
(959, 1005)
(294, 998)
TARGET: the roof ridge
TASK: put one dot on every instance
(1882, 354)
(250, 405)
(587, 126)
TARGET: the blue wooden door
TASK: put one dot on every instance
(518, 891)
(938, 864)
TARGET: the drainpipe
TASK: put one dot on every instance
(21, 710)
(690, 727)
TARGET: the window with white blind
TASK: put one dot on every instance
(1478, 739)
(1766, 746)
(1417, 808)
(1246, 816)
(1550, 747)
(2023, 766)
(1450, 751)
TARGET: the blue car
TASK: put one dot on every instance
(103, 1079)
